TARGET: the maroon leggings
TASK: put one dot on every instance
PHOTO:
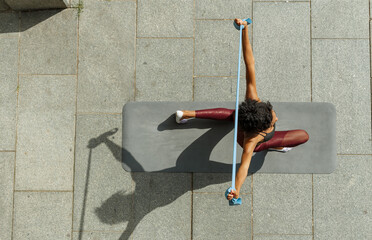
(289, 138)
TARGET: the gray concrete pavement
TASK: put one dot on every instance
(65, 77)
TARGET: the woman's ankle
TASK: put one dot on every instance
(278, 148)
(188, 114)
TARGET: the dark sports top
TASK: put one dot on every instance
(268, 136)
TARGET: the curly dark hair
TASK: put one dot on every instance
(254, 116)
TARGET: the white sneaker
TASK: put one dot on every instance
(285, 149)
(179, 115)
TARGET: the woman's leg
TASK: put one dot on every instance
(290, 138)
(217, 114)
(221, 114)
(213, 113)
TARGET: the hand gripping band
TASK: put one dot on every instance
(232, 201)
(249, 21)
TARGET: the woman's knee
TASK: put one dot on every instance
(304, 136)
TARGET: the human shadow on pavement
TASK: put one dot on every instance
(28, 20)
(197, 156)
(115, 209)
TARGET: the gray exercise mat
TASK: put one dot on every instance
(154, 142)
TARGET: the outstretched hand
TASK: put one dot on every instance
(232, 194)
(240, 22)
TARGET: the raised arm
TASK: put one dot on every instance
(251, 91)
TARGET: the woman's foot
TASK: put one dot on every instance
(184, 116)
(281, 149)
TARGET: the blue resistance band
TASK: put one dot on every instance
(236, 201)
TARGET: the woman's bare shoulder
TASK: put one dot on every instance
(251, 140)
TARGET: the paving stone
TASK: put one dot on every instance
(164, 70)
(42, 215)
(217, 48)
(102, 188)
(106, 55)
(282, 204)
(341, 75)
(75, 3)
(165, 18)
(213, 89)
(6, 197)
(51, 35)
(162, 206)
(217, 183)
(282, 51)
(19, 5)
(218, 89)
(287, 1)
(9, 24)
(328, 18)
(8, 92)
(218, 9)
(283, 237)
(342, 200)
(96, 235)
(46, 131)
(3, 5)
(212, 217)
(242, 88)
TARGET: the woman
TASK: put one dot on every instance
(256, 123)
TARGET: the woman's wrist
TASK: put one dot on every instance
(237, 193)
